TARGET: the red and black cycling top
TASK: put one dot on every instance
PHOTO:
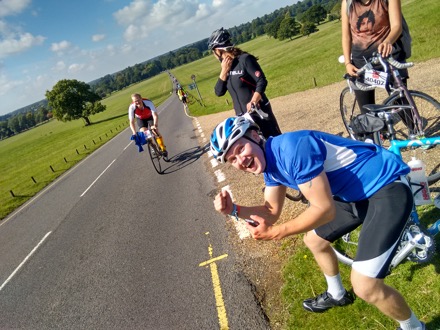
(145, 113)
(244, 79)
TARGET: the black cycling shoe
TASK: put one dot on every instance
(325, 301)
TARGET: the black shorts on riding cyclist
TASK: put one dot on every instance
(394, 203)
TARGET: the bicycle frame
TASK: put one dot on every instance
(414, 241)
(397, 145)
(391, 68)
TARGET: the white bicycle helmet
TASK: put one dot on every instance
(226, 133)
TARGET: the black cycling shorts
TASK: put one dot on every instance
(383, 217)
(145, 122)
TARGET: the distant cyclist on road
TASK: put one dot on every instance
(243, 78)
(182, 96)
(143, 112)
(347, 183)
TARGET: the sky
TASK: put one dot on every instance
(44, 41)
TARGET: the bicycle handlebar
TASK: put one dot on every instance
(378, 59)
(384, 62)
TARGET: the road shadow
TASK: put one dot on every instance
(185, 158)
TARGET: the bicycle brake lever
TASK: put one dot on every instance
(260, 112)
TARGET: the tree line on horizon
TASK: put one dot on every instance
(299, 19)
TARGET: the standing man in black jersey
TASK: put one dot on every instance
(242, 77)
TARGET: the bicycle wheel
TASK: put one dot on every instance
(429, 111)
(349, 109)
(155, 156)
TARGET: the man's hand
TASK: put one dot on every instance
(223, 202)
(263, 231)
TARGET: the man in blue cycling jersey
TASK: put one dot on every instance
(347, 183)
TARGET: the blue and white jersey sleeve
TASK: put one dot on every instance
(355, 170)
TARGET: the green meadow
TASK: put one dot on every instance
(32, 160)
(290, 66)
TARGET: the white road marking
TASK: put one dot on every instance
(24, 261)
(97, 178)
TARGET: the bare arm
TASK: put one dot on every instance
(133, 126)
(155, 119)
(320, 211)
(395, 16)
(270, 210)
(346, 39)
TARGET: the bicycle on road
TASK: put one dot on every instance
(417, 242)
(149, 138)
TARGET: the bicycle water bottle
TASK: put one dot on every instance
(419, 182)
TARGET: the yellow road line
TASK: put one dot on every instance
(219, 302)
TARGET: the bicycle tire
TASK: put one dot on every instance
(349, 109)
(428, 108)
(429, 111)
(155, 156)
(345, 247)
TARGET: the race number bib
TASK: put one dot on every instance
(375, 78)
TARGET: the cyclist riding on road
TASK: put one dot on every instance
(347, 183)
(182, 96)
(144, 112)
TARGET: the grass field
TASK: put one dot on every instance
(31, 160)
(290, 66)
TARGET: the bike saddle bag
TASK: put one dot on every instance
(366, 123)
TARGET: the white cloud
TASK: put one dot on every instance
(11, 7)
(60, 46)
(76, 67)
(20, 44)
(134, 12)
(133, 32)
(98, 37)
(59, 66)
(202, 12)
(3, 27)
(7, 84)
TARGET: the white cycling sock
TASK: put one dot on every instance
(335, 287)
(412, 323)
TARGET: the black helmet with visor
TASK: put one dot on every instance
(219, 39)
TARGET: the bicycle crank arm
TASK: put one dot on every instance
(405, 251)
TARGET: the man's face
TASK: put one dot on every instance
(246, 156)
(137, 101)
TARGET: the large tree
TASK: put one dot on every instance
(73, 99)
(288, 27)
